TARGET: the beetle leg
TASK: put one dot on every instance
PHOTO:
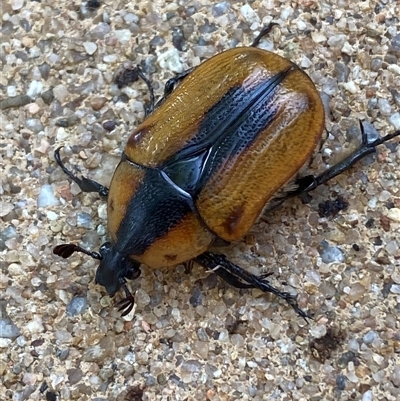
(229, 277)
(367, 147)
(240, 278)
(263, 32)
(85, 184)
(309, 182)
(171, 84)
(150, 108)
(127, 74)
(188, 266)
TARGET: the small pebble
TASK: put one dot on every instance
(286, 13)
(161, 379)
(355, 292)
(100, 31)
(384, 107)
(141, 297)
(170, 60)
(395, 376)
(110, 58)
(33, 108)
(345, 358)
(11, 91)
(29, 379)
(5, 208)
(318, 331)
(17, 4)
(196, 298)
(395, 289)
(367, 396)
(98, 102)
(394, 68)
(301, 25)
(46, 197)
(347, 49)
(350, 87)
(305, 62)
(16, 101)
(123, 35)
(337, 41)
(376, 63)
(394, 119)
(369, 337)
(392, 247)
(201, 349)
(189, 370)
(7, 328)
(35, 326)
(109, 125)
(249, 14)
(394, 214)
(331, 254)
(395, 44)
(76, 306)
(60, 92)
(74, 375)
(341, 381)
(34, 125)
(90, 47)
(130, 17)
(342, 71)
(220, 9)
(34, 90)
(313, 277)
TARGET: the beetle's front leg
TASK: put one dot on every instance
(240, 278)
(85, 184)
(368, 146)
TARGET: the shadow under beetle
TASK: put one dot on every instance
(219, 148)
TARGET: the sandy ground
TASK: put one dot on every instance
(193, 337)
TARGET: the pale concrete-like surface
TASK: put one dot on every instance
(192, 337)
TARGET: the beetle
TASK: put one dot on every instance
(227, 140)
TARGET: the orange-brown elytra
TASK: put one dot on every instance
(220, 146)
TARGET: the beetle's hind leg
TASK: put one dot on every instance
(240, 278)
(85, 184)
(368, 146)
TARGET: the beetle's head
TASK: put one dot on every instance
(112, 272)
(114, 268)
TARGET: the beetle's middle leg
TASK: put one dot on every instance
(85, 184)
(240, 278)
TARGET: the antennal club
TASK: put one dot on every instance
(66, 250)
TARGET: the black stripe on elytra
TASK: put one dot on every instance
(228, 128)
(156, 207)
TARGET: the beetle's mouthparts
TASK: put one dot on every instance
(126, 305)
